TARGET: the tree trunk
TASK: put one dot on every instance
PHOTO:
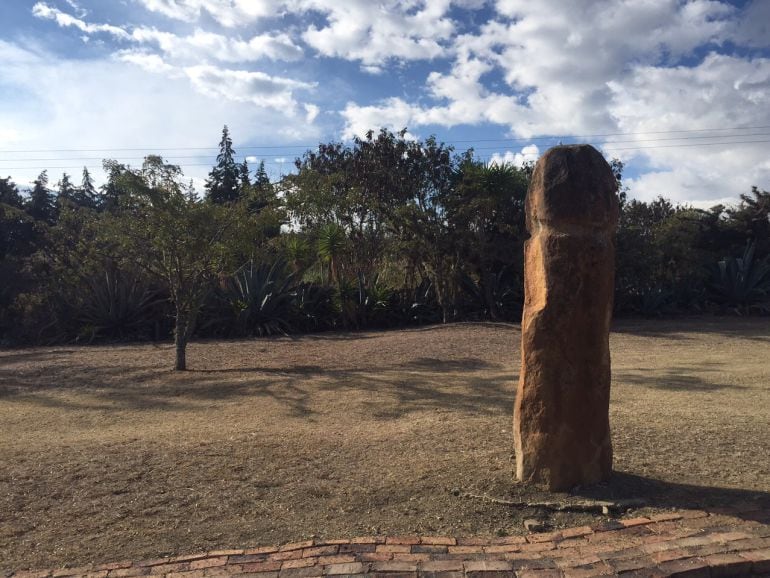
(487, 281)
(180, 341)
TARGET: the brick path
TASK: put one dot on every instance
(683, 543)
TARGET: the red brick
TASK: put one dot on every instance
(438, 540)
(393, 566)
(572, 561)
(375, 556)
(465, 549)
(628, 523)
(760, 560)
(393, 548)
(188, 574)
(338, 559)
(402, 540)
(548, 537)
(261, 550)
(269, 566)
(298, 563)
(214, 553)
(488, 566)
(295, 546)
(357, 548)
(188, 557)
(368, 540)
(442, 566)
(506, 548)
(208, 562)
(245, 558)
(668, 555)
(690, 567)
(539, 574)
(728, 565)
(411, 557)
(350, 568)
(320, 551)
(588, 571)
(128, 572)
(332, 542)
(300, 572)
(541, 547)
(287, 555)
(429, 549)
(167, 568)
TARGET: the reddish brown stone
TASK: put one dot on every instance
(561, 415)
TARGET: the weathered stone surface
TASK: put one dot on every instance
(561, 415)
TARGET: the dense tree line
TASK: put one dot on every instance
(382, 232)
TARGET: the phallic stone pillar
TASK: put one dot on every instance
(561, 415)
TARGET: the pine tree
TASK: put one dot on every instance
(87, 195)
(41, 205)
(66, 193)
(262, 190)
(9, 194)
(245, 179)
(222, 184)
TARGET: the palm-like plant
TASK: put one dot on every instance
(331, 243)
(742, 283)
(260, 298)
(116, 305)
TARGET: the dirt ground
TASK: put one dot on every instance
(106, 454)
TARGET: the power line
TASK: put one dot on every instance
(640, 142)
(184, 165)
(311, 146)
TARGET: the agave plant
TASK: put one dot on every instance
(313, 307)
(260, 298)
(117, 305)
(742, 283)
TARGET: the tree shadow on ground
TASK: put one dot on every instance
(751, 328)
(661, 494)
(390, 390)
(678, 378)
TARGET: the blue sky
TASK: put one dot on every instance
(679, 90)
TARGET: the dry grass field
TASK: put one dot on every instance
(106, 454)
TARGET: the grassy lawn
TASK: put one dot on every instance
(106, 454)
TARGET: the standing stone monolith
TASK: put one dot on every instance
(561, 415)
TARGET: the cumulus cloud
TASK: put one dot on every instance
(230, 13)
(202, 45)
(527, 154)
(375, 33)
(43, 10)
(50, 111)
(257, 88)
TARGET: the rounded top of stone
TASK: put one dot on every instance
(573, 185)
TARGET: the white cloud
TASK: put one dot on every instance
(527, 154)
(43, 10)
(230, 13)
(202, 45)
(311, 112)
(257, 88)
(49, 112)
(375, 33)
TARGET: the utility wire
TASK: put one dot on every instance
(517, 139)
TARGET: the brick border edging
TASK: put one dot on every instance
(685, 543)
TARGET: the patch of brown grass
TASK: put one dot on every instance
(107, 454)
